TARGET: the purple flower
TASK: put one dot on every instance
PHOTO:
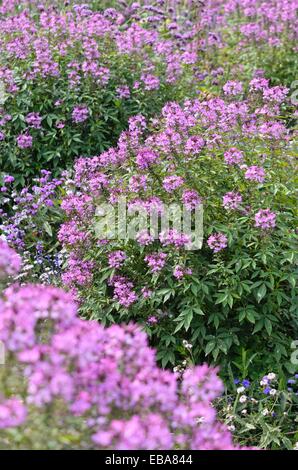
(10, 261)
(174, 237)
(156, 261)
(255, 173)
(150, 81)
(233, 88)
(180, 271)
(170, 183)
(24, 141)
(233, 156)
(34, 120)
(123, 92)
(8, 179)
(123, 291)
(144, 238)
(232, 200)
(246, 383)
(12, 413)
(265, 219)
(145, 158)
(116, 259)
(217, 242)
(80, 114)
(191, 199)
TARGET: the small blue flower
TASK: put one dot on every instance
(291, 381)
(290, 389)
(245, 383)
(236, 381)
(267, 390)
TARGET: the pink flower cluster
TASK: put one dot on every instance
(170, 183)
(12, 413)
(123, 291)
(232, 200)
(233, 156)
(106, 377)
(24, 141)
(10, 261)
(265, 219)
(156, 261)
(217, 242)
(255, 173)
(145, 169)
(80, 114)
(116, 258)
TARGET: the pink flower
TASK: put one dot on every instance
(145, 158)
(156, 261)
(255, 173)
(170, 183)
(152, 320)
(123, 92)
(144, 238)
(180, 271)
(233, 88)
(233, 156)
(116, 259)
(191, 199)
(174, 237)
(265, 219)
(12, 413)
(80, 114)
(10, 261)
(232, 200)
(217, 242)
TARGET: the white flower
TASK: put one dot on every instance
(244, 412)
(271, 376)
(273, 391)
(200, 420)
(265, 412)
(243, 398)
(240, 389)
(231, 428)
(264, 380)
(295, 446)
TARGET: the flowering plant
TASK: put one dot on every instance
(262, 412)
(73, 75)
(70, 383)
(30, 218)
(237, 291)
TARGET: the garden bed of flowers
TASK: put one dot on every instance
(148, 225)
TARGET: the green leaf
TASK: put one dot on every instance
(48, 228)
(268, 326)
(210, 346)
(261, 292)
